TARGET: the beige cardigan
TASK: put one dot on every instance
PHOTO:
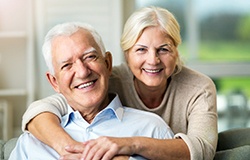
(188, 107)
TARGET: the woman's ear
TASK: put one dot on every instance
(126, 56)
(53, 81)
(108, 61)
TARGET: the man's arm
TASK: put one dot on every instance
(46, 127)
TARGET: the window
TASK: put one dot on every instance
(216, 38)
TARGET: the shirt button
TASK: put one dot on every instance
(89, 129)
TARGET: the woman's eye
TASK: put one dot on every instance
(163, 50)
(140, 50)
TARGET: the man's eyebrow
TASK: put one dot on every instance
(92, 49)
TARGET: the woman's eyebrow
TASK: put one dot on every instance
(167, 44)
(140, 45)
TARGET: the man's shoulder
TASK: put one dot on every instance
(26, 137)
(146, 115)
(149, 121)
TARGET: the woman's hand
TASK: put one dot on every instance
(73, 151)
(102, 148)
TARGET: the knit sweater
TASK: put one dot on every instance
(188, 107)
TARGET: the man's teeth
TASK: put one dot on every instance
(85, 85)
(152, 70)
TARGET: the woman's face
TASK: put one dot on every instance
(153, 57)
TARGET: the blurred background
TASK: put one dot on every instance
(216, 42)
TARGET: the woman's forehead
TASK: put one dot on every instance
(153, 36)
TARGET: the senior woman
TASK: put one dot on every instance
(152, 79)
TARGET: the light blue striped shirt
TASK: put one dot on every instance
(115, 120)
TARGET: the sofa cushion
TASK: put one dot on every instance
(239, 153)
(7, 147)
(233, 138)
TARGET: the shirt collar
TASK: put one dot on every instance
(115, 106)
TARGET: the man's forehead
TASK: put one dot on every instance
(80, 36)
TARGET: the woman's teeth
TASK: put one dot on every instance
(152, 70)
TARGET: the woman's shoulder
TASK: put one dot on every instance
(191, 77)
(121, 76)
(121, 71)
(191, 74)
(55, 98)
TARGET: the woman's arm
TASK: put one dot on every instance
(46, 127)
(157, 149)
(42, 119)
(150, 148)
(55, 104)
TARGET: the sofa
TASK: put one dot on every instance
(6, 148)
(233, 144)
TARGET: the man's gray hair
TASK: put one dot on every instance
(67, 29)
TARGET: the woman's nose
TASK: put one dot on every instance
(153, 58)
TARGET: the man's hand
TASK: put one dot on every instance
(121, 158)
(102, 148)
(73, 151)
(106, 148)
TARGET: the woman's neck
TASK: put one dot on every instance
(150, 96)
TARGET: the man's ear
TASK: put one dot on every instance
(108, 61)
(53, 81)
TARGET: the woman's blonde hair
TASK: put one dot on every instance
(151, 17)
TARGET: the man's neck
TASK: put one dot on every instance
(89, 117)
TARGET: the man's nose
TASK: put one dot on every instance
(81, 69)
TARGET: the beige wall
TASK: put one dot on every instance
(23, 25)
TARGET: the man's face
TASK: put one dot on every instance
(81, 71)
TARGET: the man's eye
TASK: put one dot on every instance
(65, 66)
(89, 58)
